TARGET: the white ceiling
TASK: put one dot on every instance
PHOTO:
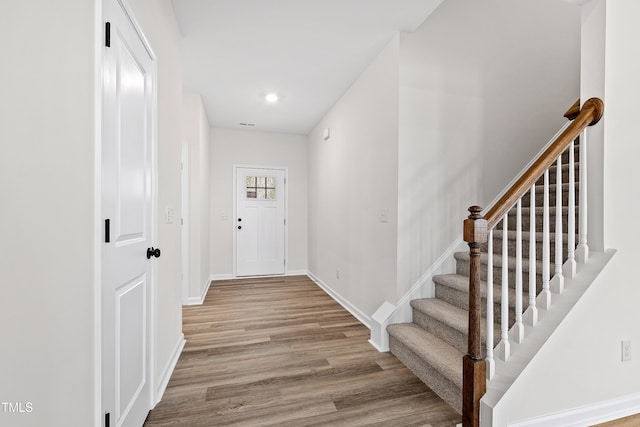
(307, 51)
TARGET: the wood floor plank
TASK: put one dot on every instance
(280, 351)
(631, 421)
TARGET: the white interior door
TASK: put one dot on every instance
(127, 185)
(260, 221)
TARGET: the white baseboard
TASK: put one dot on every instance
(600, 412)
(363, 318)
(297, 273)
(168, 370)
(199, 300)
(231, 276)
(422, 288)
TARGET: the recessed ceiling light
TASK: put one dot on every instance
(271, 97)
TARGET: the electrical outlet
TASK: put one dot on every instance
(626, 350)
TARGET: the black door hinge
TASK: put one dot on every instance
(107, 420)
(107, 34)
(107, 230)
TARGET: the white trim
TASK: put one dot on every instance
(363, 318)
(422, 288)
(168, 370)
(153, 311)
(184, 221)
(297, 273)
(222, 277)
(97, 212)
(199, 300)
(600, 412)
(232, 277)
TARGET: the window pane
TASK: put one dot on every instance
(251, 193)
(261, 181)
(271, 194)
(271, 182)
(251, 181)
(261, 194)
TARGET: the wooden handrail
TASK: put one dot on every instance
(589, 115)
(573, 111)
(476, 230)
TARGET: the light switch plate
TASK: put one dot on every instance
(170, 215)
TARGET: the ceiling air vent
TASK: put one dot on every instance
(248, 124)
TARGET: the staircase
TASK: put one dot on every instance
(434, 344)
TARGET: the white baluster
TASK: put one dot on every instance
(570, 265)
(544, 299)
(517, 332)
(504, 347)
(491, 363)
(582, 252)
(531, 315)
(557, 283)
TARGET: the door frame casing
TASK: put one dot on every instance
(185, 221)
(286, 211)
(99, 63)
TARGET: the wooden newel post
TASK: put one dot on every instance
(474, 379)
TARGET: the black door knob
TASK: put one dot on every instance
(239, 219)
(153, 252)
(239, 227)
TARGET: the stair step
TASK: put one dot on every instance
(511, 244)
(538, 212)
(454, 289)
(552, 195)
(462, 268)
(565, 173)
(447, 322)
(436, 363)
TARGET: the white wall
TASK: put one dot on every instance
(582, 360)
(353, 177)
(47, 239)
(237, 147)
(195, 133)
(532, 76)
(161, 29)
(441, 137)
(470, 75)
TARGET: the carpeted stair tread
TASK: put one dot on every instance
(446, 321)
(446, 313)
(511, 234)
(539, 210)
(431, 349)
(552, 189)
(460, 283)
(497, 261)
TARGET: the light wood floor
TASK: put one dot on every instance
(632, 421)
(279, 351)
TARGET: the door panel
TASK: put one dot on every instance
(260, 222)
(127, 173)
(130, 340)
(269, 238)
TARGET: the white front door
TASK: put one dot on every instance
(127, 187)
(260, 221)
